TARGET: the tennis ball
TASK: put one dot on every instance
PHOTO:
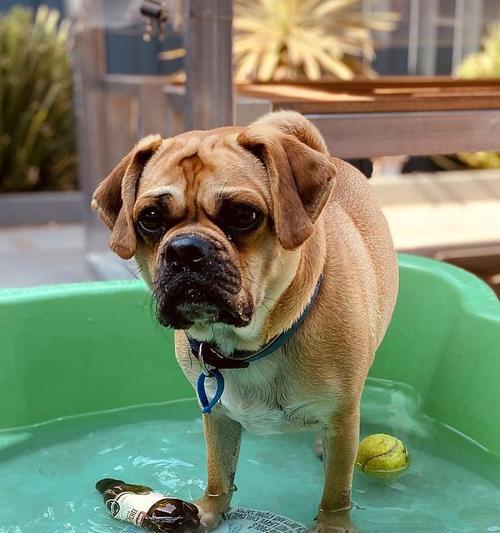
(382, 455)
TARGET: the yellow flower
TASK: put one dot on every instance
(484, 64)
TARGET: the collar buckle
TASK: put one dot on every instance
(201, 359)
(210, 360)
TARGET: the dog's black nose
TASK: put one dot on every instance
(187, 250)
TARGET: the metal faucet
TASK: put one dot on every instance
(156, 13)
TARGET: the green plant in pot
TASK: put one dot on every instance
(37, 132)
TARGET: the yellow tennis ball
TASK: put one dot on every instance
(382, 455)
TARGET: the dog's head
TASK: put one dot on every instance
(214, 218)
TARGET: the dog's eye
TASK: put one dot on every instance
(150, 220)
(240, 218)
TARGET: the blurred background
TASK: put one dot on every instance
(406, 90)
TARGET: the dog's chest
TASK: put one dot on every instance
(266, 400)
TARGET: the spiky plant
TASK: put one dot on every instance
(484, 64)
(294, 39)
(37, 134)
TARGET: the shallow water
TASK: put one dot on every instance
(47, 473)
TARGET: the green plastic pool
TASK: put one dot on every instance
(90, 387)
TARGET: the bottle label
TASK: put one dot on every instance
(133, 508)
(241, 520)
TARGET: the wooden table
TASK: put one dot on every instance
(390, 116)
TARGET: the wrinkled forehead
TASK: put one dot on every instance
(202, 165)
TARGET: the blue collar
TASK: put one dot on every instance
(211, 361)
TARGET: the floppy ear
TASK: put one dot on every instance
(300, 170)
(114, 198)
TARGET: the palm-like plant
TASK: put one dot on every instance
(37, 135)
(293, 39)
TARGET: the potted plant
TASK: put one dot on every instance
(37, 132)
(305, 39)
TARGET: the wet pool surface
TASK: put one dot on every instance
(48, 473)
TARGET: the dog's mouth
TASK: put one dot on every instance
(189, 299)
(196, 283)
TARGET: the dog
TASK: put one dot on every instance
(248, 236)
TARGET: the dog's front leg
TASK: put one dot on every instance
(340, 444)
(222, 437)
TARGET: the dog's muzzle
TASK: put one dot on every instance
(197, 283)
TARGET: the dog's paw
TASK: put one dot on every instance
(211, 510)
(331, 528)
(209, 520)
(333, 523)
(318, 447)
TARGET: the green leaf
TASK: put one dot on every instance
(37, 133)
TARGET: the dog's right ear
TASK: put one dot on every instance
(114, 198)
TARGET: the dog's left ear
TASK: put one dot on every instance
(300, 170)
(114, 198)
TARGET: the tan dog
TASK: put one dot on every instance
(232, 229)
